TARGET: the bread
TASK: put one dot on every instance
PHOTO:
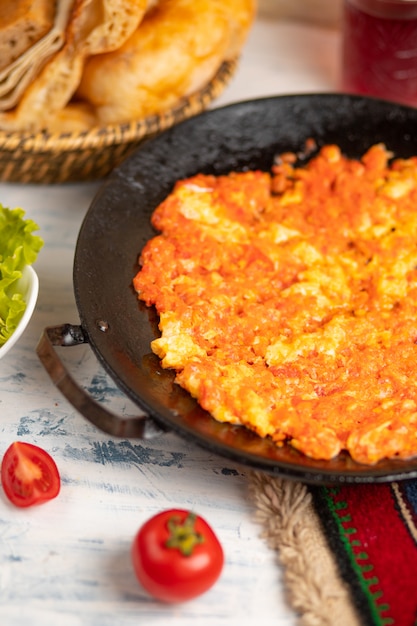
(94, 27)
(18, 75)
(23, 23)
(177, 48)
(113, 61)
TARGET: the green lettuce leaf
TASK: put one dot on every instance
(18, 247)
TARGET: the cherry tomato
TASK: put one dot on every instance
(29, 475)
(176, 556)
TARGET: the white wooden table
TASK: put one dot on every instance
(67, 562)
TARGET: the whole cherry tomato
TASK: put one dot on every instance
(176, 555)
(29, 475)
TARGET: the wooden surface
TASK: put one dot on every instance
(67, 562)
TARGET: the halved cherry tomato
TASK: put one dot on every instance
(176, 555)
(29, 475)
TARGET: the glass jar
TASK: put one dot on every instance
(379, 49)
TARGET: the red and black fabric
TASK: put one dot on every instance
(372, 531)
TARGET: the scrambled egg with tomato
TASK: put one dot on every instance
(288, 300)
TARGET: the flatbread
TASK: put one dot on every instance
(18, 75)
(178, 47)
(23, 23)
(94, 27)
(114, 61)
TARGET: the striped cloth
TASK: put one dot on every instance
(349, 552)
(372, 530)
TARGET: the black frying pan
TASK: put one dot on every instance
(120, 329)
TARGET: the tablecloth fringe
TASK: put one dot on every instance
(313, 585)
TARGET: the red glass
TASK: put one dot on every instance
(379, 56)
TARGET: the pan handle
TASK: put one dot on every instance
(66, 335)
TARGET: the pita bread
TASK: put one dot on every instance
(94, 27)
(123, 60)
(177, 48)
(17, 76)
(23, 23)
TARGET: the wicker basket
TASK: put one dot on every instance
(69, 157)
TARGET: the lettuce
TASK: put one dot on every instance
(18, 247)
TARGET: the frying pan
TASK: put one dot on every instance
(119, 328)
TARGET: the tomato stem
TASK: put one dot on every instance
(183, 535)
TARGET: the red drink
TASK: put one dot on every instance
(379, 55)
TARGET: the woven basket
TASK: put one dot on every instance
(69, 157)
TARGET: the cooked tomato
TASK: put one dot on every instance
(29, 474)
(177, 556)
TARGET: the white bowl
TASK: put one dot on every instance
(28, 286)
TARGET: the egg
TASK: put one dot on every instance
(288, 299)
